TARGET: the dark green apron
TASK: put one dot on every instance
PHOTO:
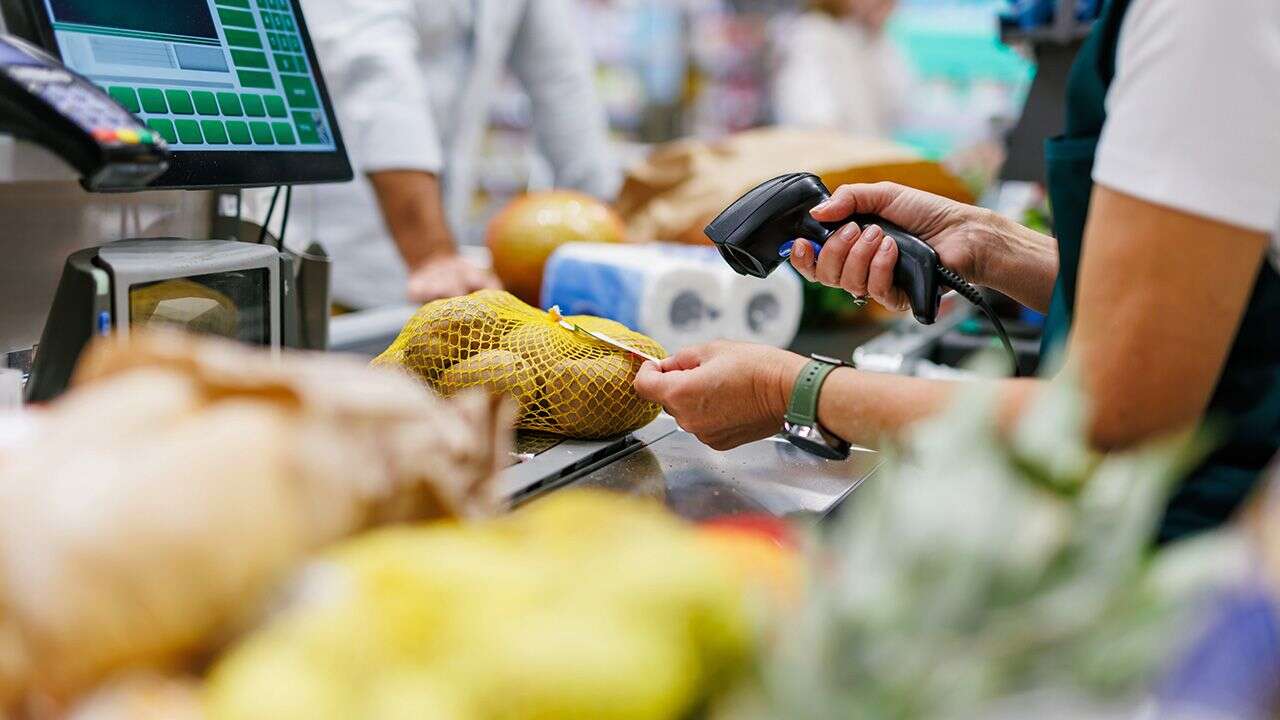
(1245, 408)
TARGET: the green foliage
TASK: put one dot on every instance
(976, 566)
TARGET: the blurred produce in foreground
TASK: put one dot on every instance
(583, 605)
(153, 510)
(525, 233)
(975, 572)
(564, 382)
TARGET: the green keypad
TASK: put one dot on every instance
(237, 18)
(165, 128)
(249, 59)
(127, 98)
(256, 79)
(275, 106)
(307, 131)
(273, 109)
(230, 104)
(215, 133)
(262, 133)
(253, 106)
(180, 102)
(205, 102)
(287, 63)
(153, 100)
(238, 131)
(243, 38)
(284, 133)
(301, 92)
(189, 132)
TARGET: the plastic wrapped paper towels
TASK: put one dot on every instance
(680, 295)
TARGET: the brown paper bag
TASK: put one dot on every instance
(683, 185)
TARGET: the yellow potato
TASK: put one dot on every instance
(535, 342)
(619, 332)
(500, 371)
(441, 334)
(592, 397)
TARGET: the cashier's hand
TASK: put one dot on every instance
(861, 260)
(725, 393)
(446, 276)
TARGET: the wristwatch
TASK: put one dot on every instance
(801, 427)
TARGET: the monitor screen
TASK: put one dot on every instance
(232, 85)
(230, 304)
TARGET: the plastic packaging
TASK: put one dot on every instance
(681, 295)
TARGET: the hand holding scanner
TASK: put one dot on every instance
(44, 102)
(754, 236)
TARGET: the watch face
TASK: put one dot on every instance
(813, 441)
(828, 360)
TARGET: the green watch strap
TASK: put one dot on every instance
(803, 409)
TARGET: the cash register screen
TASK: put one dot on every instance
(232, 85)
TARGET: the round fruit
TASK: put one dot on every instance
(527, 231)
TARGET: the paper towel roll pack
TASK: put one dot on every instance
(680, 295)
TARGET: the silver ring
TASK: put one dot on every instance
(859, 301)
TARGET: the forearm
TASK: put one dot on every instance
(1018, 261)
(414, 214)
(869, 408)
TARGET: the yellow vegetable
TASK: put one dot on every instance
(567, 383)
(582, 605)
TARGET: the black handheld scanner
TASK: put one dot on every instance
(755, 235)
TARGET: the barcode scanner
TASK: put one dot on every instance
(755, 235)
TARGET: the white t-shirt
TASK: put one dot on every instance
(1193, 115)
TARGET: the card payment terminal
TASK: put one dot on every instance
(44, 102)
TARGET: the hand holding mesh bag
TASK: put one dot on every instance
(564, 382)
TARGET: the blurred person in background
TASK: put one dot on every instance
(1165, 189)
(412, 82)
(837, 69)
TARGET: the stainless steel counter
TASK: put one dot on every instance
(664, 462)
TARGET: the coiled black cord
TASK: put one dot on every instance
(973, 295)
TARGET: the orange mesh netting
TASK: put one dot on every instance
(565, 382)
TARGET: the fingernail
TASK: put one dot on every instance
(886, 244)
(821, 206)
(800, 249)
(871, 233)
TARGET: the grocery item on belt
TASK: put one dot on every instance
(159, 503)
(676, 301)
(564, 382)
(680, 295)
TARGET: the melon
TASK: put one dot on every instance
(526, 232)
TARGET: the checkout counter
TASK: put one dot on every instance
(660, 461)
(106, 115)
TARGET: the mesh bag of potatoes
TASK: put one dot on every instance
(565, 383)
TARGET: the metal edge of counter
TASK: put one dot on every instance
(573, 459)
